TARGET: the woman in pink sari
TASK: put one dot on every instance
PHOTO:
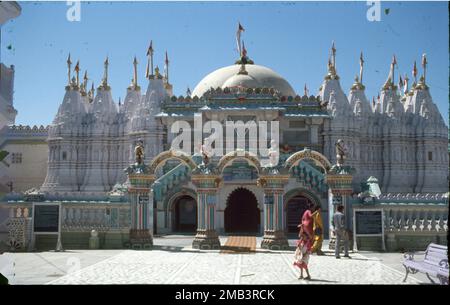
(303, 252)
(307, 223)
(306, 237)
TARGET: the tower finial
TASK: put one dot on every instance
(424, 66)
(333, 54)
(166, 68)
(400, 83)
(149, 70)
(238, 38)
(405, 84)
(414, 73)
(389, 84)
(305, 90)
(85, 79)
(69, 64)
(332, 74)
(361, 67)
(105, 74)
(394, 63)
(84, 84)
(135, 82)
(77, 70)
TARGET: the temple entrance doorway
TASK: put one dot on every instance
(295, 208)
(185, 214)
(242, 214)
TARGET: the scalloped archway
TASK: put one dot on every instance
(161, 159)
(251, 158)
(308, 154)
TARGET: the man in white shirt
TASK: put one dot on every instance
(340, 231)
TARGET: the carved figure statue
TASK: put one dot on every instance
(139, 152)
(341, 152)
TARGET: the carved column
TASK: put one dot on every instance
(206, 237)
(274, 235)
(339, 181)
(141, 201)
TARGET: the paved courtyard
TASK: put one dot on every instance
(173, 261)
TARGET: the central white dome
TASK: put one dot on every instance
(257, 77)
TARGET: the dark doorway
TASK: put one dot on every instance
(242, 214)
(295, 208)
(185, 208)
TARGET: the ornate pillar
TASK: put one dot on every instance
(339, 180)
(141, 201)
(274, 235)
(206, 237)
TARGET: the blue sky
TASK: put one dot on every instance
(292, 38)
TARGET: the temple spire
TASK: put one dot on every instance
(105, 74)
(166, 68)
(149, 70)
(424, 66)
(69, 64)
(77, 71)
(333, 55)
(305, 90)
(85, 79)
(332, 74)
(238, 38)
(361, 67)
(405, 84)
(393, 64)
(414, 73)
(135, 82)
(188, 91)
(83, 86)
(389, 84)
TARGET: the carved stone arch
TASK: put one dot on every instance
(161, 159)
(226, 160)
(173, 196)
(303, 192)
(170, 201)
(307, 154)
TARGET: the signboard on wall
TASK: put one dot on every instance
(369, 222)
(46, 218)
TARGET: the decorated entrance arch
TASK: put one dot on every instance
(305, 180)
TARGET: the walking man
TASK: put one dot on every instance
(340, 231)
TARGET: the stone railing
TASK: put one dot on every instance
(103, 216)
(417, 219)
(419, 197)
(81, 216)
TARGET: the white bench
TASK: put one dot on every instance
(434, 264)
